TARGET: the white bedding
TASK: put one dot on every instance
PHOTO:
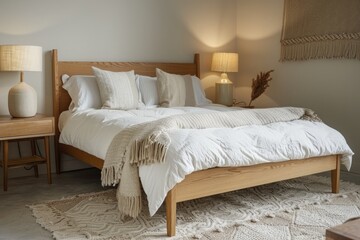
(196, 149)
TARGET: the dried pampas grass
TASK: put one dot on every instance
(260, 84)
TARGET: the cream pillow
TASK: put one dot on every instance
(171, 89)
(117, 89)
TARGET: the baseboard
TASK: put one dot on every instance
(350, 177)
(345, 176)
(69, 163)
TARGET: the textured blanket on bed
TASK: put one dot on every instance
(314, 29)
(147, 143)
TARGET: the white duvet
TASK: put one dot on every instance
(195, 149)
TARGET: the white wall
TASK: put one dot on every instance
(114, 30)
(330, 87)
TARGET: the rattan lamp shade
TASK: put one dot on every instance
(22, 98)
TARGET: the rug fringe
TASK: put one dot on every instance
(54, 221)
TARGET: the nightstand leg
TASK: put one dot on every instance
(57, 155)
(5, 163)
(47, 155)
(33, 152)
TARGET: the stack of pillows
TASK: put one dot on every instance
(125, 90)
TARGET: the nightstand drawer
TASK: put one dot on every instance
(40, 125)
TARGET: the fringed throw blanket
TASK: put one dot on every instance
(314, 29)
(147, 143)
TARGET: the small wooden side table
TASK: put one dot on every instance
(347, 231)
(39, 126)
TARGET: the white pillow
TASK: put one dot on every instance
(199, 93)
(117, 89)
(171, 89)
(148, 90)
(84, 92)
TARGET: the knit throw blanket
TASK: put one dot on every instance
(148, 143)
(314, 29)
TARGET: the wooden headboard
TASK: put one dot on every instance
(61, 98)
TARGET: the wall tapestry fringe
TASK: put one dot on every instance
(320, 29)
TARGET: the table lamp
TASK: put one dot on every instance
(22, 98)
(224, 63)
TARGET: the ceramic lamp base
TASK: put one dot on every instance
(224, 93)
(22, 100)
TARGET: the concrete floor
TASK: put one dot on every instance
(16, 220)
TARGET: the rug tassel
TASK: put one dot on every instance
(197, 236)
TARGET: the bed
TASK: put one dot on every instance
(199, 183)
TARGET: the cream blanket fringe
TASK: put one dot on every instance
(147, 143)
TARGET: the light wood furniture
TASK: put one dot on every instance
(347, 231)
(39, 126)
(198, 184)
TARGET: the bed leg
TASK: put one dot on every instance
(171, 212)
(335, 177)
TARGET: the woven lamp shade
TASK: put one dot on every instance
(22, 98)
(224, 62)
(20, 58)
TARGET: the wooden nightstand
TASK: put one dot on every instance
(39, 126)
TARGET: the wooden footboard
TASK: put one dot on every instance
(219, 180)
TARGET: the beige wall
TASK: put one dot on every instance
(163, 30)
(330, 87)
(113, 30)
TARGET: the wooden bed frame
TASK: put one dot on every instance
(198, 184)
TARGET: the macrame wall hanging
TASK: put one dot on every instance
(314, 29)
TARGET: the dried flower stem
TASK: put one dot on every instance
(260, 84)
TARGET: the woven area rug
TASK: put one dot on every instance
(301, 208)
